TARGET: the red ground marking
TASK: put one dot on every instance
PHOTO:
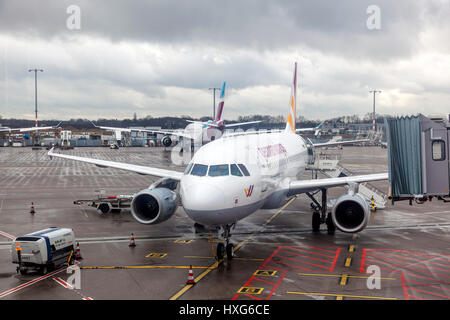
(7, 235)
(414, 275)
(409, 264)
(413, 269)
(321, 254)
(258, 279)
(312, 264)
(415, 253)
(427, 292)
(428, 261)
(405, 290)
(289, 265)
(404, 271)
(29, 283)
(428, 285)
(301, 255)
(284, 271)
(417, 298)
(363, 260)
(63, 283)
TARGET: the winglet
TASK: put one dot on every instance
(93, 123)
(290, 121)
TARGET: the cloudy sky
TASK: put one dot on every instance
(160, 57)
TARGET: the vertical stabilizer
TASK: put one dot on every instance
(221, 103)
(290, 121)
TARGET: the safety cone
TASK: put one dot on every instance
(77, 253)
(132, 243)
(190, 279)
(32, 208)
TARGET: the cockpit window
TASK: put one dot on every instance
(199, 170)
(188, 168)
(218, 170)
(235, 170)
(244, 169)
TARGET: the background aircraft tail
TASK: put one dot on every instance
(290, 121)
(221, 103)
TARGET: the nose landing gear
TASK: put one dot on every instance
(227, 247)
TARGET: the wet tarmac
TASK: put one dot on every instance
(277, 257)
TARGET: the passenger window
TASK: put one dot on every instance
(218, 170)
(235, 170)
(199, 170)
(438, 150)
(188, 168)
(244, 169)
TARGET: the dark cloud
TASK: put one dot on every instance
(334, 27)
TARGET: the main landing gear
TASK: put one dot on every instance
(320, 214)
(227, 247)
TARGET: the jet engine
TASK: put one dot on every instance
(350, 213)
(166, 141)
(151, 206)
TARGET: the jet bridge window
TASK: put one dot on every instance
(199, 170)
(438, 148)
(235, 170)
(218, 170)
(244, 169)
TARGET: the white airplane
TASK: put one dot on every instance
(198, 132)
(230, 178)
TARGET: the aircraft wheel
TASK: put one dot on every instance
(316, 221)
(331, 228)
(230, 252)
(220, 251)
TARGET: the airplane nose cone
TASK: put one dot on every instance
(200, 200)
(202, 197)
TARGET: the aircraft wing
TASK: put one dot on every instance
(176, 175)
(241, 123)
(26, 129)
(337, 143)
(172, 133)
(301, 186)
(305, 129)
(144, 130)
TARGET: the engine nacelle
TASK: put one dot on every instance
(151, 206)
(351, 213)
(166, 141)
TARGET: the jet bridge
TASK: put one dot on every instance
(418, 157)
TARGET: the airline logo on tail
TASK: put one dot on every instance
(290, 122)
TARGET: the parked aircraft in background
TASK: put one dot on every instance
(230, 178)
(198, 132)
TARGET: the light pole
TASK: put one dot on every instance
(373, 115)
(214, 101)
(35, 94)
